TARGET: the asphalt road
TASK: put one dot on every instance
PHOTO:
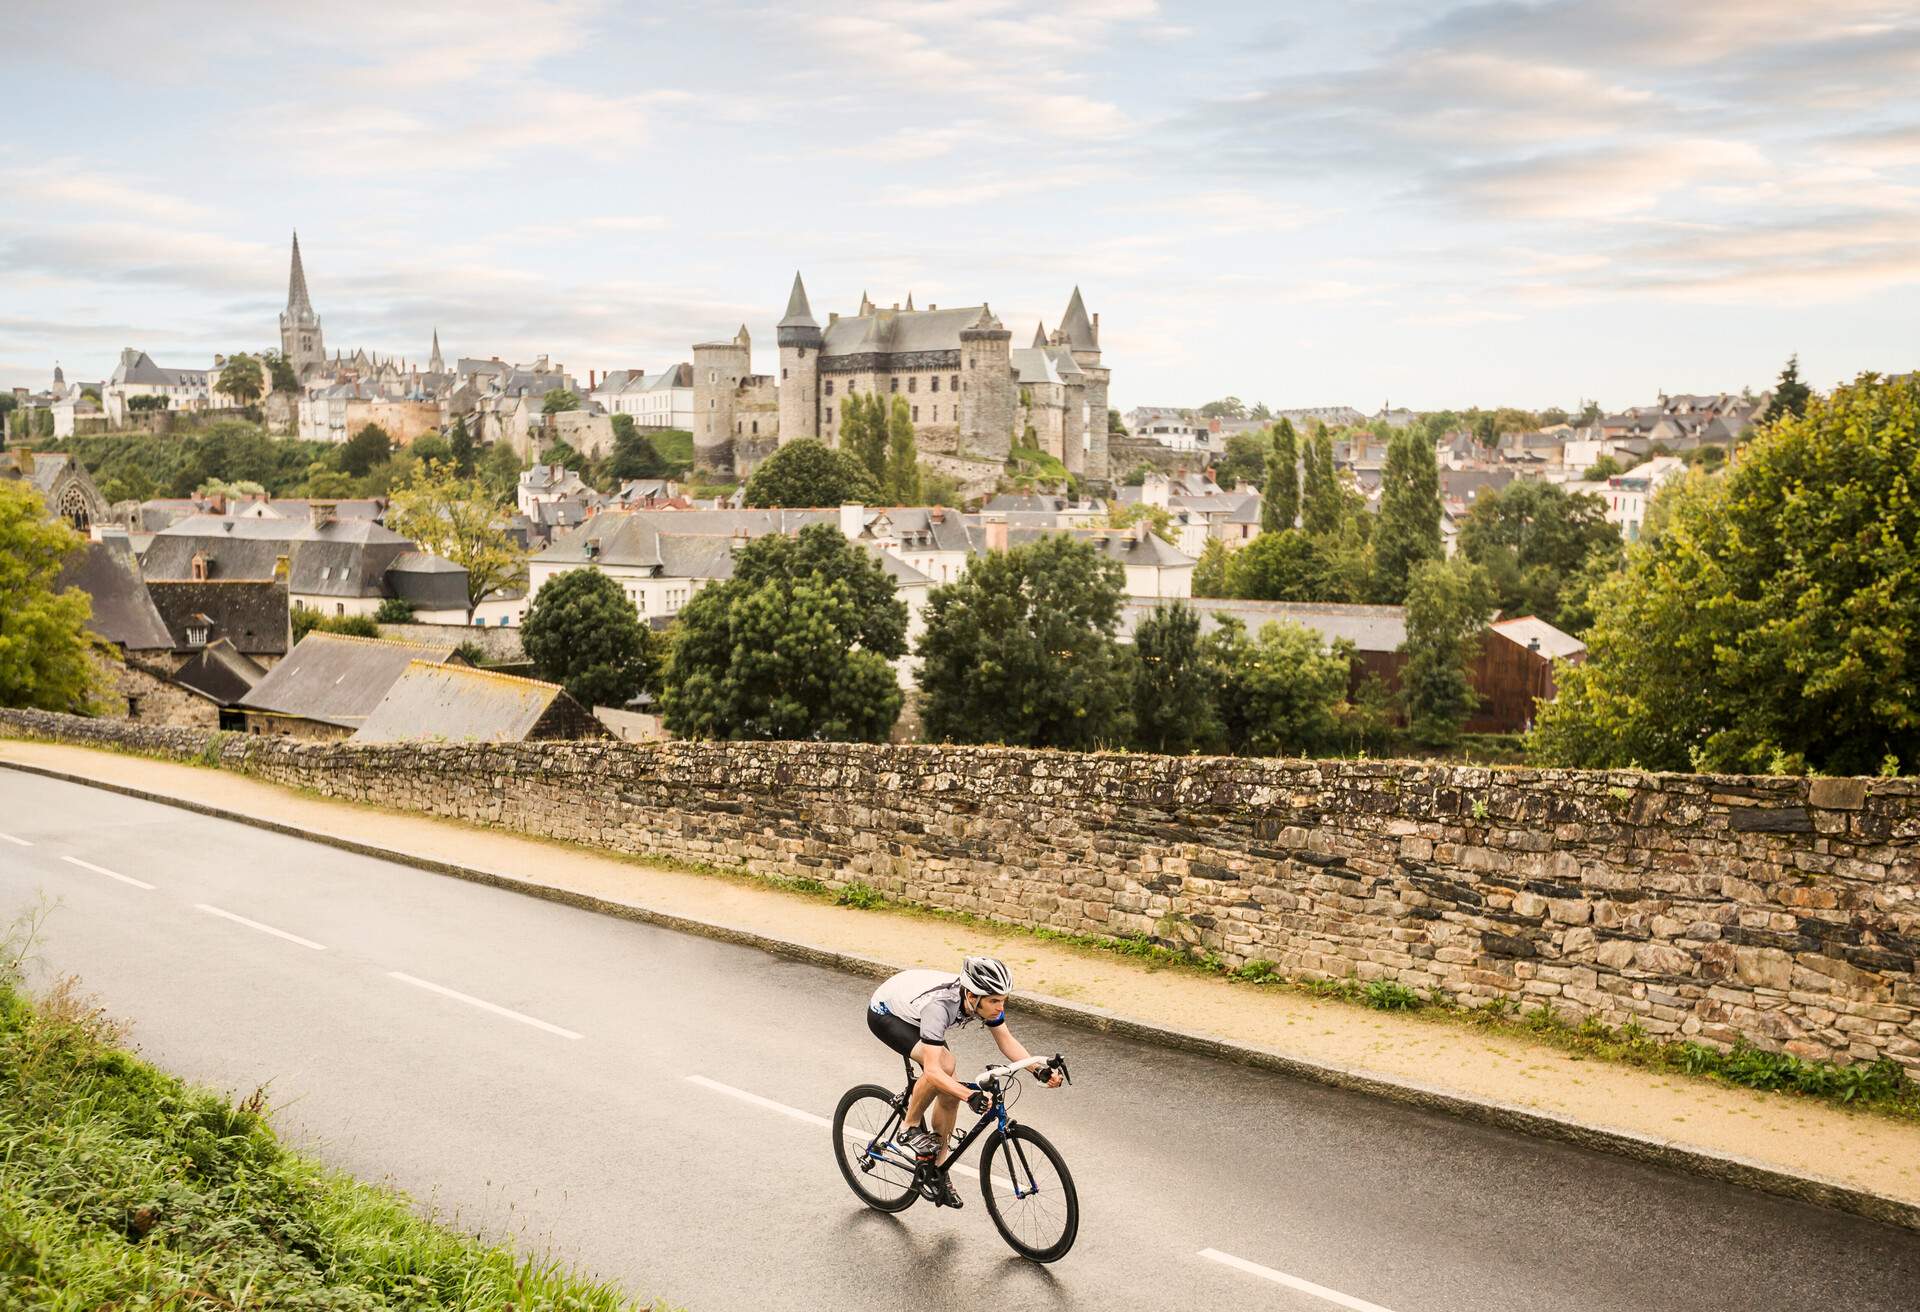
(592, 1112)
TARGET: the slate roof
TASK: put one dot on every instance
(1554, 644)
(344, 558)
(123, 613)
(337, 679)
(433, 702)
(1075, 325)
(1115, 544)
(900, 330)
(138, 367)
(251, 614)
(220, 673)
(429, 582)
(631, 537)
(1375, 629)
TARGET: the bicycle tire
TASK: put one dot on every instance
(872, 1188)
(1004, 1154)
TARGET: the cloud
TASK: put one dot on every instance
(1596, 183)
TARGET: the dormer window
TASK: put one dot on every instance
(199, 568)
(196, 637)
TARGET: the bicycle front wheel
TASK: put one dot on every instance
(863, 1128)
(1029, 1194)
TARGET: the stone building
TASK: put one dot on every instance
(301, 343)
(970, 394)
(62, 482)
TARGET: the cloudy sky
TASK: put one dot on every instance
(1321, 202)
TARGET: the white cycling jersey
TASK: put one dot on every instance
(927, 999)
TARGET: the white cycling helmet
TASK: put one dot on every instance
(986, 976)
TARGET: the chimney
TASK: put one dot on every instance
(938, 514)
(1533, 644)
(833, 316)
(896, 306)
(218, 504)
(323, 513)
(996, 534)
(737, 543)
(931, 307)
(853, 519)
(1096, 327)
(282, 568)
(591, 384)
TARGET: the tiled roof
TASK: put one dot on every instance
(1375, 629)
(123, 613)
(251, 614)
(337, 679)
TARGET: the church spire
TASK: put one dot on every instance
(909, 302)
(434, 363)
(297, 282)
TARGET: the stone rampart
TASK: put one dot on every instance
(1780, 911)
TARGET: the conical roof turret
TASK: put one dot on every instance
(798, 327)
(1076, 327)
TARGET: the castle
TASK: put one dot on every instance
(971, 395)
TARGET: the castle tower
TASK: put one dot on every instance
(987, 389)
(435, 365)
(718, 368)
(1081, 335)
(300, 341)
(800, 340)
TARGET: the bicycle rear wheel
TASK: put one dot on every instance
(1029, 1194)
(863, 1128)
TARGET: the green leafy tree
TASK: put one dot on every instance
(1210, 572)
(1158, 519)
(1790, 395)
(1770, 623)
(1227, 407)
(634, 455)
(1604, 468)
(393, 610)
(460, 444)
(559, 399)
(43, 422)
(583, 633)
(306, 620)
(1287, 565)
(457, 519)
(370, 446)
(797, 644)
(1172, 684)
(146, 404)
(499, 473)
(1115, 424)
(901, 484)
(863, 433)
(327, 484)
(805, 473)
(1245, 460)
(1021, 650)
(1280, 694)
(938, 488)
(47, 659)
(1407, 530)
(280, 374)
(1280, 494)
(1321, 504)
(429, 448)
(243, 379)
(564, 455)
(1448, 605)
(1535, 540)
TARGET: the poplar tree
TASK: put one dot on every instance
(902, 474)
(1408, 528)
(1320, 499)
(1280, 498)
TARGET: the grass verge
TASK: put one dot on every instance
(122, 1187)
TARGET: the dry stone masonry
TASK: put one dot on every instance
(1784, 912)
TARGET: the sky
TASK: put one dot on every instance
(1319, 203)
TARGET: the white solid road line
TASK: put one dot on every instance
(794, 1112)
(264, 929)
(110, 874)
(481, 1003)
(1333, 1296)
(11, 839)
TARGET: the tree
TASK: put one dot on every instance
(146, 404)
(1287, 565)
(1448, 606)
(1021, 650)
(429, 448)
(280, 372)
(1280, 694)
(365, 449)
(559, 399)
(805, 473)
(243, 379)
(583, 633)
(43, 422)
(457, 519)
(46, 654)
(1790, 395)
(1245, 460)
(938, 488)
(499, 472)
(1115, 424)
(1407, 530)
(1770, 623)
(306, 620)
(1210, 573)
(460, 443)
(1260, 412)
(393, 610)
(1591, 413)
(863, 432)
(1227, 407)
(1280, 494)
(1320, 499)
(901, 480)
(1599, 471)
(634, 455)
(799, 643)
(1172, 685)
(1158, 519)
(1535, 540)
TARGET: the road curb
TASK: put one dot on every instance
(1507, 1116)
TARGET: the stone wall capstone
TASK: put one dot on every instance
(1782, 912)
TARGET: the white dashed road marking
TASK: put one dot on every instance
(11, 839)
(110, 874)
(264, 929)
(794, 1112)
(1332, 1296)
(481, 1003)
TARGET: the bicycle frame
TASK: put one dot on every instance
(876, 1148)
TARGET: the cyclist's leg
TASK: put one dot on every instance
(946, 1111)
(931, 1056)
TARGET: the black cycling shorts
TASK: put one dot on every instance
(898, 1034)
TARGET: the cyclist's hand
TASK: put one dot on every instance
(1050, 1078)
(979, 1101)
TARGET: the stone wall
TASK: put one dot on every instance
(1780, 911)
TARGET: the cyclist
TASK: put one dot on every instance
(913, 1013)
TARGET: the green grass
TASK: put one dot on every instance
(121, 1187)
(675, 446)
(1032, 462)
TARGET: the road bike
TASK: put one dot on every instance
(1028, 1191)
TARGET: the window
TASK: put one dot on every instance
(829, 414)
(756, 426)
(196, 637)
(712, 375)
(916, 414)
(936, 382)
(956, 384)
(339, 608)
(970, 362)
(829, 387)
(894, 385)
(783, 373)
(913, 384)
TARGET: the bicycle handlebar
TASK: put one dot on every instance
(1001, 1072)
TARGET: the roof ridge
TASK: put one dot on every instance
(498, 675)
(382, 642)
